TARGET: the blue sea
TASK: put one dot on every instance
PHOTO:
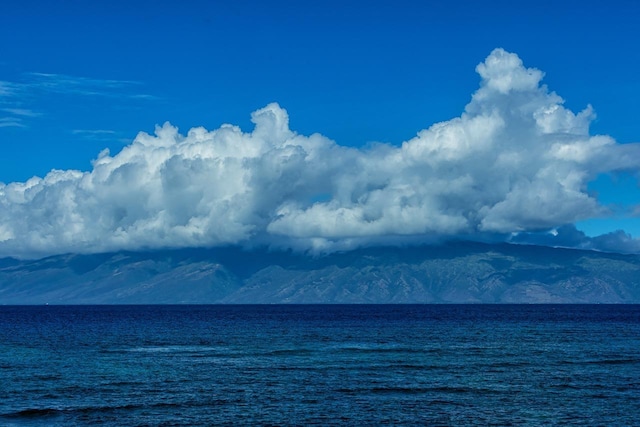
(434, 365)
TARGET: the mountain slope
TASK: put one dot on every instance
(459, 272)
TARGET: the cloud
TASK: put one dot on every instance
(515, 161)
(96, 134)
(568, 236)
(31, 84)
(65, 84)
(93, 132)
(31, 88)
(21, 112)
(16, 117)
(7, 88)
(11, 122)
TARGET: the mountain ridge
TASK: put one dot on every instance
(455, 272)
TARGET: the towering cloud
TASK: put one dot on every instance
(515, 161)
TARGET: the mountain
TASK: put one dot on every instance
(459, 272)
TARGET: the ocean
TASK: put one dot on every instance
(358, 365)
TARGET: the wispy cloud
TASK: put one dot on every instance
(6, 122)
(6, 88)
(65, 84)
(23, 112)
(98, 134)
(92, 132)
(144, 96)
(16, 117)
(22, 98)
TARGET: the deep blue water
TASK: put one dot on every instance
(320, 364)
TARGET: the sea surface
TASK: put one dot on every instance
(320, 365)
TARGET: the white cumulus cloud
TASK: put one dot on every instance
(515, 161)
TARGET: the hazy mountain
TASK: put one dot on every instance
(452, 273)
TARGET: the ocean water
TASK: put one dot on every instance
(320, 365)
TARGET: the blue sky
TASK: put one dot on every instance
(77, 76)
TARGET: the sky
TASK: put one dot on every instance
(318, 125)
